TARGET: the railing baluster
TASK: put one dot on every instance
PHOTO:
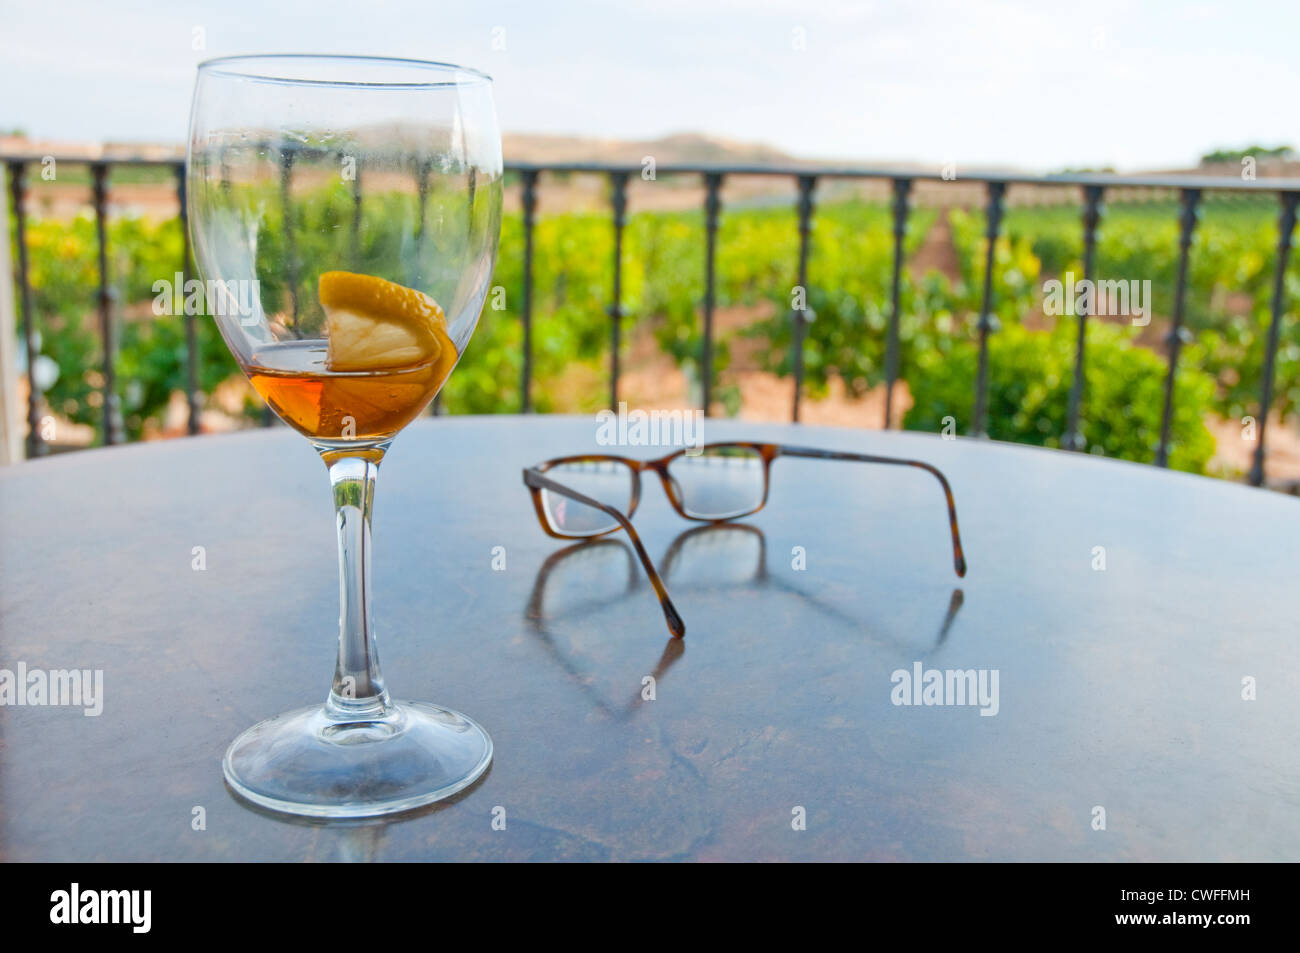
(423, 167)
(287, 156)
(193, 398)
(356, 212)
(530, 211)
(1091, 217)
(36, 447)
(1286, 225)
(1191, 199)
(422, 170)
(1094, 188)
(712, 208)
(107, 336)
(470, 198)
(618, 200)
(800, 316)
(901, 208)
(988, 322)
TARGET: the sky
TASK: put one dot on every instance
(1030, 85)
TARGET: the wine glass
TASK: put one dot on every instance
(344, 213)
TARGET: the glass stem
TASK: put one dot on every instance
(358, 692)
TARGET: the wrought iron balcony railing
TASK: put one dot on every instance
(1190, 190)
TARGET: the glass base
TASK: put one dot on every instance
(307, 762)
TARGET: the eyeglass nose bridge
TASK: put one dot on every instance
(669, 482)
(636, 491)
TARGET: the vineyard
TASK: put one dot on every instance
(1031, 357)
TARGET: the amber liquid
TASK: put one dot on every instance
(365, 407)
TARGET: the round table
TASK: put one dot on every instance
(1139, 624)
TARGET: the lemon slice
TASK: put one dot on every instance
(376, 325)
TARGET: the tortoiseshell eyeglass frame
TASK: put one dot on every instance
(536, 480)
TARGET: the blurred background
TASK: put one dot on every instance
(934, 100)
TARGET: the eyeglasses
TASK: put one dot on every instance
(592, 495)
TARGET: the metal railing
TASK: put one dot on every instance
(1190, 190)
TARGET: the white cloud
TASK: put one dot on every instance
(998, 82)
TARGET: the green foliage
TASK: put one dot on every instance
(1259, 152)
(849, 280)
(1233, 254)
(850, 275)
(1030, 373)
(151, 359)
(1016, 269)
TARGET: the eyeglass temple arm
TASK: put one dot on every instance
(958, 556)
(535, 479)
